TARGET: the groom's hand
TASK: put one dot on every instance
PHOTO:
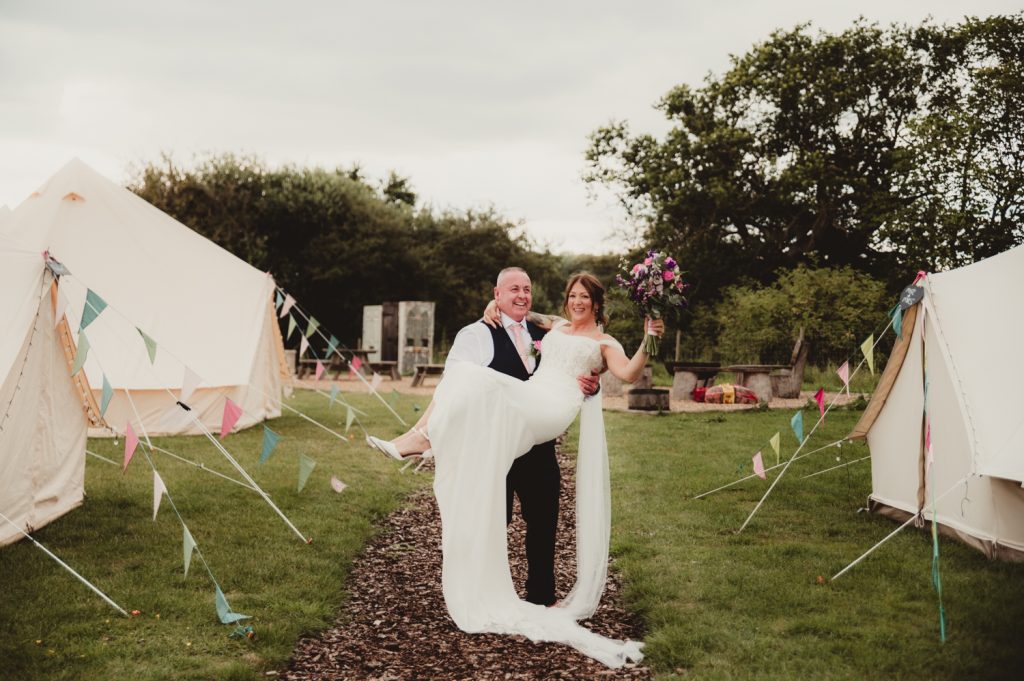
(589, 383)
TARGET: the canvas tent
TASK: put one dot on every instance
(206, 309)
(966, 334)
(42, 421)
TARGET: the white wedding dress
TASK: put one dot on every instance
(481, 421)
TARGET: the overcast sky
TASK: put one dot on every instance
(480, 103)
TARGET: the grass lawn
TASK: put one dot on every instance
(55, 628)
(726, 606)
(717, 604)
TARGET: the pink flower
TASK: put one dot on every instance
(648, 261)
(667, 276)
(536, 345)
(636, 268)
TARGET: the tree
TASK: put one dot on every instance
(822, 150)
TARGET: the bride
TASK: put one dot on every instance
(478, 422)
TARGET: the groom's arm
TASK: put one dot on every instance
(472, 343)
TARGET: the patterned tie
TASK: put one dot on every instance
(517, 336)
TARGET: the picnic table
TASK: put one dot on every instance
(424, 370)
(689, 375)
(338, 365)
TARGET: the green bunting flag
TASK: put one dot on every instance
(224, 612)
(332, 345)
(150, 345)
(774, 441)
(797, 424)
(108, 392)
(306, 466)
(393, 398)
(270, 439)
(868, 348)
(188, 545)
(334, 396)
(312, 327)
(81, 353)
(350, 416)
(93, 306)
(897, 321)
(291, 327)
(278, 301)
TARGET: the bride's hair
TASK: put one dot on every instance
(596, 290)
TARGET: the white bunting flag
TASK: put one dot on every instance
(189, 383)
(303, 346)
(375, 382)
(159, 490)
(337, 485)
(288, 302)
(62, 305)
(844, 374)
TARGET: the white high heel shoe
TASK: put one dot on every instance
(384, 447)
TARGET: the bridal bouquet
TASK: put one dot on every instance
(657, 287)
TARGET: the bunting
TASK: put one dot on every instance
(150, 345)
(819, 397)
(844, 374)
(332, 345)
(319, 370)
(375, 382)
(774, 441)
(188, 545)
(278, 300)
(131, 441)
(159, 490)
(291, 327)
(337, 485)
(334, 396)
(354, 364)
(868, 349)
(897, 320)
(224, 611)
(81, 353)
(312, 326)
(231, 414)
(189, 382)
(286, 307)
(797, 424)
(270, 439)
(62, 305)
(303, 346)
(350, 416)
(759, 466)
(306, 466)
(94, 305)
(108, 393)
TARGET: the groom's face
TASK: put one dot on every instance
(514, 295)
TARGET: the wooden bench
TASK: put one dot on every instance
(424, 370)
(389, 369)
(689, 375)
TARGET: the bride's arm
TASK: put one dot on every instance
(629, 369)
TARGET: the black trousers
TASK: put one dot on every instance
(536, 480)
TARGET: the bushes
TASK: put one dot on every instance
(837, 308)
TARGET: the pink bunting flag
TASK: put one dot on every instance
(131, 441)
(231, 414)
(159, 490)
(337, 485)
(303, 345)
(354, 365)
(375, 382)
(288, 302)
(844, 373)
(319, 368)
(759, 466)
(819, 397)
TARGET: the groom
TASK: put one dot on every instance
(533, 477)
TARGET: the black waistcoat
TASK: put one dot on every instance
(506, 356)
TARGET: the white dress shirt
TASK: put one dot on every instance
(473, 343)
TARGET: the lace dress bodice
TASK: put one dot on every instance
(566, 357)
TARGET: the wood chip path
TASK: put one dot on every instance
(395, 626)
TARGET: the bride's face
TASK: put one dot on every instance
(580, 306)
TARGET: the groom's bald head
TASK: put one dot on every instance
(513, 292)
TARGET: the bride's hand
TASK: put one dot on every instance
(654, 327)
(492, 316)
